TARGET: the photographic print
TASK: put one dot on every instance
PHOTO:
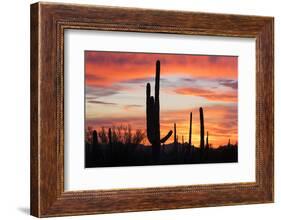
(160, 109)
(125, 109)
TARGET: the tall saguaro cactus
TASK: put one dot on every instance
(190, 128)
(201, 131)
(153, 116)
(207, 141)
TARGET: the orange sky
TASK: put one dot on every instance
(115, 92)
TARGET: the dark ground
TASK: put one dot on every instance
(115, 155)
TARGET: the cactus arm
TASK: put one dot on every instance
(148, 105)
(150, 123)
(150, 115)
(164, 139)
(147, 92)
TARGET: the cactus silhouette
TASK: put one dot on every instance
(95, 138)
(109, 137)
(153, 116)
(190, 128)
(95, 144)
(201, 131)
(175, 139)
(207, 141)
(110, 142)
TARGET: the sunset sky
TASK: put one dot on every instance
(116, 92)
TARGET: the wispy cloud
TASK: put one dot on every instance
(185, 79)
(138, 80)
(100, 102)
(229, 83)
(208, 94)
(128, 107)
(97, 92)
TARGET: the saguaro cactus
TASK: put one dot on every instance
(190, 128)
(95, 138)
(109, 137)
(175, 139)
(92, 154)
(207, 141)
(110, 142)
(153, 116)
(201, 131)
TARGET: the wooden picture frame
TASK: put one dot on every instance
(48, 22)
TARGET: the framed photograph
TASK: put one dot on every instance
(137, 109)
